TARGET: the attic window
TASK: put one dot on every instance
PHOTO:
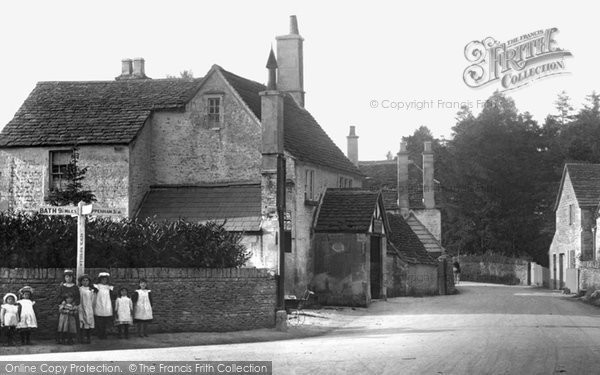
(214, 109)
(571, 214)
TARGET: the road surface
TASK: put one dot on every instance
(486, 329)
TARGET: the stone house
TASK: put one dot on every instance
(414, 220)
(575, 238)
(201, 149)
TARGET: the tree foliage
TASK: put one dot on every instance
(50, 241)
(73, 192)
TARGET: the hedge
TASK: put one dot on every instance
(33, 240)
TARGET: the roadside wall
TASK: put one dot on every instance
(503, 270)
(184, 299)
(589, 275)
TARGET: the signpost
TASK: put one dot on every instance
(81, 211)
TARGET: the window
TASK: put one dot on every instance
(58, 168)
(309, 185)
(571, 214)
(345, 182)
(213, 109)
(287, 238)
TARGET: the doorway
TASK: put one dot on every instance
(555, 279)
(561, 271)
(375, 268)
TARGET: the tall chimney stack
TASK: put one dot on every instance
(428, 184)
(352, 150)
(403, 202)
(139, 70)
(290, 73)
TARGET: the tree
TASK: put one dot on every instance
(186, 75)
(564, 109)
(73, 193)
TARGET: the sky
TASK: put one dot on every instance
(357, 55)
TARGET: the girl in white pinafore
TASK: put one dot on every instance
(27, 320)
(142, 300)
(103, 304)
(87, 293)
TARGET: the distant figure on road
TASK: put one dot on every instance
(456, 269)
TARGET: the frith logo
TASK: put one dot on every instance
(515, 63)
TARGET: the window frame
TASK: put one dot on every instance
(309, 185)
(211, 117)
(51, 173)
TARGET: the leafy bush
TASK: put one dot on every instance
(50, 241)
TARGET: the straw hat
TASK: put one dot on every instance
(10, 295)
(24, 289)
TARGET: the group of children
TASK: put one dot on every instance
(82, 308)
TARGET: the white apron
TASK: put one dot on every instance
(103, 304)
(143, 309)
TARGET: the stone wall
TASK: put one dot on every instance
(342, 269)
(185, 299)
(589, 275)
(24, 175)
(187, 149)
(404, 279)
(512, 273)
(141, 175)
(300, 262)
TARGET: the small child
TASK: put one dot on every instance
(123, 312)
(67, 323)
(68, 286)
(27, 321)
(142, 298)
(103, 304)
(87, 293)
(9, 317)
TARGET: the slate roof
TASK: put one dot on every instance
(585, 179)
(347, 211)
(383, 174)
(303, 136)
(113, 112)
(431, 244)
(92, 112)
(406, 242)
(238, 204)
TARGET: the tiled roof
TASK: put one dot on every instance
(303, 136)
(239, 205)
(585, 179)
(347, 211)
(408, 244)
(383, 174)
(431, 244)
(93, 112)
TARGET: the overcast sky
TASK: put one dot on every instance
(353, 53)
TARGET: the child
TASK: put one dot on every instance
(124, 311)
(103, 305)
(9, 317)
(142, 298)
(87, 294)
(66, 287)
(67, 324)
(27, 321)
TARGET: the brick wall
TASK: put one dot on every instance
(185, 299)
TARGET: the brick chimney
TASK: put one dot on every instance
(352, 150)
(290, 74)
(402, 163)
(428, 184)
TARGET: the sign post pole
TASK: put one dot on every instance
(80, 240)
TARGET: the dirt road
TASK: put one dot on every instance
(486, 329)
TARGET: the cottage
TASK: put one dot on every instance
(576, 209)
(200, 149)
